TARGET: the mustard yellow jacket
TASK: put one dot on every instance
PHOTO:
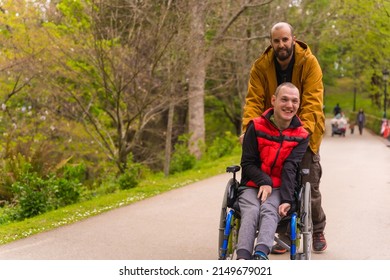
(306, 76)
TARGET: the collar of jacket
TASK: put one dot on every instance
(301, 50)
(295, 122)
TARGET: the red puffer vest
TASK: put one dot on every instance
(276, 145)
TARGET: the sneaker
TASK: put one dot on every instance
(260, 256)
(278, 250)
(319, 242)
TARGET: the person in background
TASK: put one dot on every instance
(352, 126)
(291, 60)
(337, 109)
(361, 121)
(273, 147)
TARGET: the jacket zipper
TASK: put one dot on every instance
(280, 147)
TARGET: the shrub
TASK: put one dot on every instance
(34, 195)
(21, 157)
(182, 159)
(128, 179)
(12, 169)
(65, 191)
(6, 214)
(31, 196)
(222, 146)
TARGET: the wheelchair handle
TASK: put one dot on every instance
(233, 169)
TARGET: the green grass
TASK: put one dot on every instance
(343, 93)
(149, 187)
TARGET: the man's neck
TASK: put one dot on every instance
(281, 124)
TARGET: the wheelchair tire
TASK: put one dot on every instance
(308, 224)
(222, 225)
(222, 220)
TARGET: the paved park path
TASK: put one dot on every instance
(183, 223)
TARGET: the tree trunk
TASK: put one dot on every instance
(168, 140)
(197, 76)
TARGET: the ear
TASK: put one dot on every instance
(273, 98)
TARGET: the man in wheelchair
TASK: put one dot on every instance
(273, 146)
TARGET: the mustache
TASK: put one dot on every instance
(282, 49)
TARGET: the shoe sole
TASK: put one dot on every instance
(320, 251)
(279, 252)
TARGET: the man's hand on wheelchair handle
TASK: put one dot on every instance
(283, 209)
(241, 138)
(264, 192)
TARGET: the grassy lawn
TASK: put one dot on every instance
(343, 93)
(152, 186)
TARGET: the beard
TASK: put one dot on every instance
(284, 53)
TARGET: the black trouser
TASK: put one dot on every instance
(312, 162)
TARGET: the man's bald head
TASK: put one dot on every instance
(282, 25)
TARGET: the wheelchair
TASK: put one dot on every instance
(297, 225)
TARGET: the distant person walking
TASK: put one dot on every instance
(337, 110)
(361, 120)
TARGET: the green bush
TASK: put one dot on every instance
(34, 195)
(222, 146)
(66, 186)
(75, 172)
(6, 214)
(182, 159)
(128, 180)
(12, 169)
(31, 196)
(22, 156)
(65, 191)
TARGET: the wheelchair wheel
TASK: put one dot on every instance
(228, 228)
(222, 221)
(307, 231)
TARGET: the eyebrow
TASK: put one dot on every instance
(283, 38)
(290, 98)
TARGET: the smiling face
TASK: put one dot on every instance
(286, 104)
(282, 41)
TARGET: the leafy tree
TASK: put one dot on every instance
(355, 40)
(112, 75)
